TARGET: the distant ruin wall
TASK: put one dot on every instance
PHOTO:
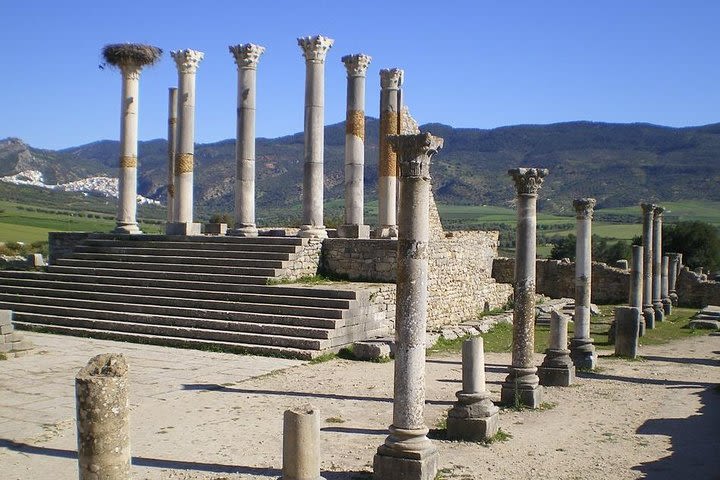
(696, 291)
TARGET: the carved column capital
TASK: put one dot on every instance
(315, 47)
(648, 208)
(414, 153)
(658, 212)
(356, 64)
(131, 71)
(528, 180)
(188, 60)
(391, 78)
(584, 208)
(247, 55)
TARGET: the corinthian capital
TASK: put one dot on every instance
(391, 78)
(187, 61)
(357, 64)
(315, 48)
(414, 153)
(528, 180)
(648, 208)
(657, 213)
(584, 208)
(247, 55)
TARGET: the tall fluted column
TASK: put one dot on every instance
(657, 265)
(408, 453)
(172, 149)
(665, 285)
(247, 57)
(636, 283)
(314, 50)
(581, 347)
(647, 241)
(672, 277)
(522, 383)
(390, 104)
(187, 62)
(354, 226)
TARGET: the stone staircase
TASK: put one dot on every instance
(199, 292)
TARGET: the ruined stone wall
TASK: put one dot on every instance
(696, 290)
(556, 279)
(359, 260)
(305, 262)
(62, 244)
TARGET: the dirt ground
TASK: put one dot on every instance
(658, 418)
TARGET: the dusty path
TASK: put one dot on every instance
(657, 419)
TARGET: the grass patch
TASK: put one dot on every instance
(547, 405)
(3, 356)
(334, 420)
(305, 280)
(325, 357)
(500, 436)
(445, 346)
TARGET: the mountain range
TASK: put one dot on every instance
(618, 164)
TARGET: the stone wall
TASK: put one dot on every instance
(695, 290)
(305, 262)
(62, 244)
(556, 279)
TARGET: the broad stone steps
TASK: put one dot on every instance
(166, 267)
(199, 277)
(260, 240)
(185, 260)
(180, 245)
(172, 252)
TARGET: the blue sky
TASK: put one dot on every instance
(468, 63)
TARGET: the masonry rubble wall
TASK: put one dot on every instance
(695, 290)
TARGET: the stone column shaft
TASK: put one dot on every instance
(657, 265)
(301, 444)
(557, 368)
(390, 106)
(127, 175)
(314, 50)
(647, 241)
(172, 150)
(246, 57)
(636, 277)
(583, 351)
(627, 331)
(664, 286)
(672, 277)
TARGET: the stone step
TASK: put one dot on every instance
(165, 267)
(177, 259)
(179, 245)
(228, 239)
(242, 348)
(97, 280)
(200, 277)
(21, 284)
(171, 252)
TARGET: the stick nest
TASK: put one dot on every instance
(119, 54)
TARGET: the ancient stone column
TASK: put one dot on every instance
(474, 417)
(672, 277)
(354, 226)
(130, 58)
(581, 347)
(314, 49)
(636, 284)
(522, 384)
(247, 57)
(557, 369)
(172, 149)
(103, 420)
(187, 62)
(647, 241)
(390, 106)
(301, 444)
(657, 265)
(627, 331)
(407, 452)
(665, 285)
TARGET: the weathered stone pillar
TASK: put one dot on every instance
(314, 49)
(522, 385)
(172, 150)
(672, 277)
(187, 62)
(665, 286)
(390, 106)
(627, 331)
(647, 241)
(657, 265)
(247, 57)
(557, 369)
(408, 453)
(581, 347)
(130, 58)
(474, 417)
(636, 284)
(103, 421)
(354, 226)
(301, 444)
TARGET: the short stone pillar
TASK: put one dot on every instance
(636, 284)
(301, 444)
(129, 58)
(672, 277)
(103, 419)
(247, 57)
(657, 264)
(391, 80)
(407, 452)
(557, 369)
(474, 417)
(354, 226)
(647, 241)
(627, 331)
(187, 62)
(172, 150)
(581, 347)
(314, 50)
(522, 385)
(665, 285)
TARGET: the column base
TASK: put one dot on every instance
(659, 311)
(472, 421)
(392, 464)
(582, 352)
(244, 231)
(127, 229)
(557, 369)
(667, 306)
(183, 228)
(649, 316)
(386, 231)
(353, 231)
(674, 299)
(521, 388)
(312, 231)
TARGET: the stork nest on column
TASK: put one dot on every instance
(138, 54)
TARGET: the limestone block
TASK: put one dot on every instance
(301, 444)
(371, 350)
(6, 317)
(705, 324)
